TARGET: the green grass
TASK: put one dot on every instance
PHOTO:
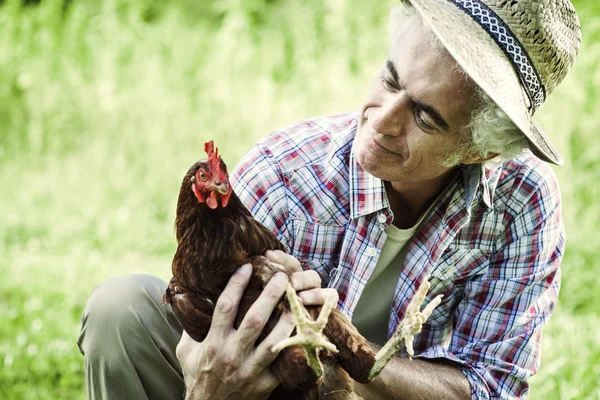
(104, 105)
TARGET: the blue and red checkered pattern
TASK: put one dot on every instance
(492, 245)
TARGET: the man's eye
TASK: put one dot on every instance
(387, 84)
(421, 122)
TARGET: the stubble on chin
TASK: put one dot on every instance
(369, 161)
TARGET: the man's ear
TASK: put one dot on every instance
(478, 159)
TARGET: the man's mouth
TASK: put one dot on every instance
(377, 146)
(381, 147)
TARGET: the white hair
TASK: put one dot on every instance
(401, 17)
(490, 130)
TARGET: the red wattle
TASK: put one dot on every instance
(211, 201)
(225, 199)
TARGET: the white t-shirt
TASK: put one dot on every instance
(372, 313)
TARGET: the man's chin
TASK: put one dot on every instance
(370, 164)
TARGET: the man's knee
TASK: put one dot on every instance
(129, 339)
(117, 308)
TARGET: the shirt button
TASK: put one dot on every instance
(382, 218)
(371, 251)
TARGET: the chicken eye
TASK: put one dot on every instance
(202, 175)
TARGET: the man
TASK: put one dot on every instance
(410, 188)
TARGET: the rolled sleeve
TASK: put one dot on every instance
(479, 387)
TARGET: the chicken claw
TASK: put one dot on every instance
(408, 327)
(308, 332)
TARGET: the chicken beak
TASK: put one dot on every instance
(222, 188)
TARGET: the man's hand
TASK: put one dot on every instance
(227, 364)
(306, 283)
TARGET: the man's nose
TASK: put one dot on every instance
(392, 116)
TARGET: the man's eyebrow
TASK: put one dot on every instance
(390, 66)
(433, 113)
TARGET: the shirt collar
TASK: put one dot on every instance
(367, 193)
(475, 177)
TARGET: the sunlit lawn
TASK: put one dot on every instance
(104, 105)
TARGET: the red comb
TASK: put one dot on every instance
(213, 155)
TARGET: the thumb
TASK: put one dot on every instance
(185, 345)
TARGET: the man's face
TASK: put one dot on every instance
(414, 112)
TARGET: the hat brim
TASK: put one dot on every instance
(486, 64)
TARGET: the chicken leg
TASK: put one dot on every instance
(308, 332)
(406, 330)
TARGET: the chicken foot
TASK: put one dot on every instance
(406, 330)
(308, 332)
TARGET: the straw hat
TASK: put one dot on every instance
(517, 51)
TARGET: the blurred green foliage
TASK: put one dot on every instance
(105, 104)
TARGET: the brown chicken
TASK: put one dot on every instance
(216, 234)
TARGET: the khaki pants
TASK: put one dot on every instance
(128, 339)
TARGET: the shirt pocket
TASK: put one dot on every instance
(454, 269)
(317, 246)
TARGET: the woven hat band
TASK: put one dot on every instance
(510, 45)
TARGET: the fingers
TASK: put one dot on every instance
(288, 261)
(257, 316)
(217, 370)
(227, 304)
(305, 280)
(317, 297)
(263, 356)
(266, 383)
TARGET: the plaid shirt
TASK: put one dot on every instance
(492, 245)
